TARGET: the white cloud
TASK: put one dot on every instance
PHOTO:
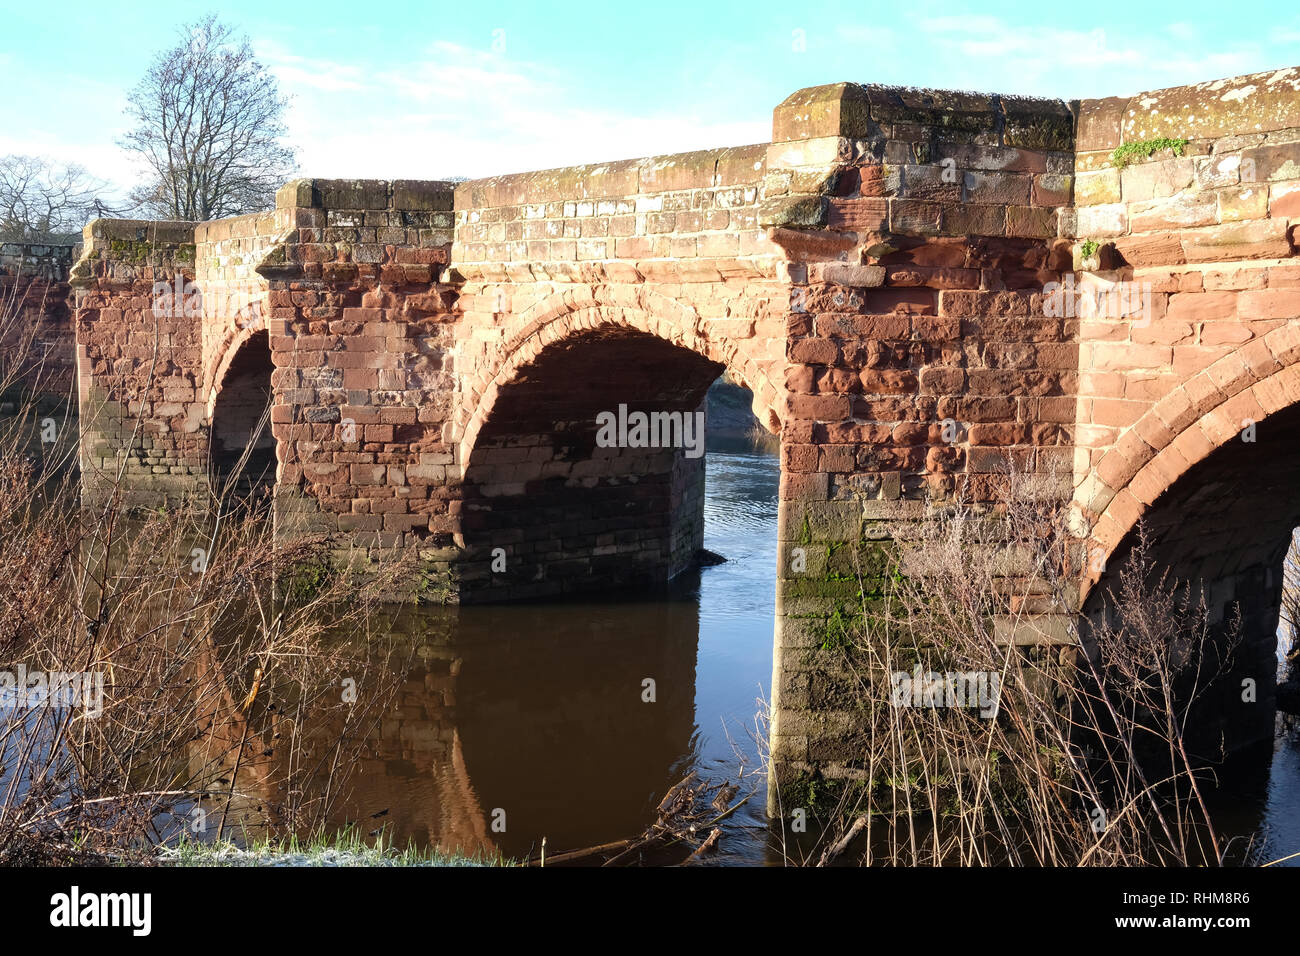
(461, 111)
(1025, 57)
(300, 72)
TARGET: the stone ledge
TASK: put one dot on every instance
(856, 111)
(139, 230)
(617, 270)
(397, 194)
(1254, 103)
(701, 169)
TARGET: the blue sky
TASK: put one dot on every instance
(421, 90)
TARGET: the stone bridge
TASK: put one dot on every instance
(885, 276)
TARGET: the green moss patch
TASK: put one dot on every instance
(1145, 149)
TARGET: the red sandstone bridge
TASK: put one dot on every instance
(880, 276)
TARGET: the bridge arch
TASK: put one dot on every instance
(563, 314)
(560, 507)
(1210, 472)
(234, 341)
(1253, 382)
(241, 446)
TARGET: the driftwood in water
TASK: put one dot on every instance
(676, 795)
(690, 807)
(838, 849)
(726, 793)
(570, 856)
(707, 846)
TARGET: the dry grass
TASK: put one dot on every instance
(1085, 762)
(227, 696)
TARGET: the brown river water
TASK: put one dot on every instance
(532, 717)
(521, 722)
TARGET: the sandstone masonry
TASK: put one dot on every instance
(878, 276)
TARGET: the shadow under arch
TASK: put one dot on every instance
(549, 505)
(242, 448)
(1221, 525)
(634, 308)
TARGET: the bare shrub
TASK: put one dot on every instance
(226, 653)
(1079, 758)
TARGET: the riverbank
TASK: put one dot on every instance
(341, 850)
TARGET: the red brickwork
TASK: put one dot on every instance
(36, 340)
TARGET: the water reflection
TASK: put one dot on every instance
(1257, 800)
(532, 716)
(535, 715)
(515, 722)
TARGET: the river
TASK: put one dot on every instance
(531, 720)
(528, 721)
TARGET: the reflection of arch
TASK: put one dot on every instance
(634, 308)
(1253, 382)
(412, 762)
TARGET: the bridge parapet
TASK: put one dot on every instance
(339, 230)
(1194, 174)
(884, 161)
(47, 260)
(688, 217)
(36, 336)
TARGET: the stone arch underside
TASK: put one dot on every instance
(232, 344)
(636, 308)
(559, 509)
(1215, 488)
(242, 448)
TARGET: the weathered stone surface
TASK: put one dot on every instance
(1098, 221)
(1155, 180)
(1258, 102)
(1249, 240)
(798, 212)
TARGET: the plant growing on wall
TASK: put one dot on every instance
(1090, 255)
(1125, 153)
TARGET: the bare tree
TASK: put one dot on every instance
(209, 120)
(45, 202)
